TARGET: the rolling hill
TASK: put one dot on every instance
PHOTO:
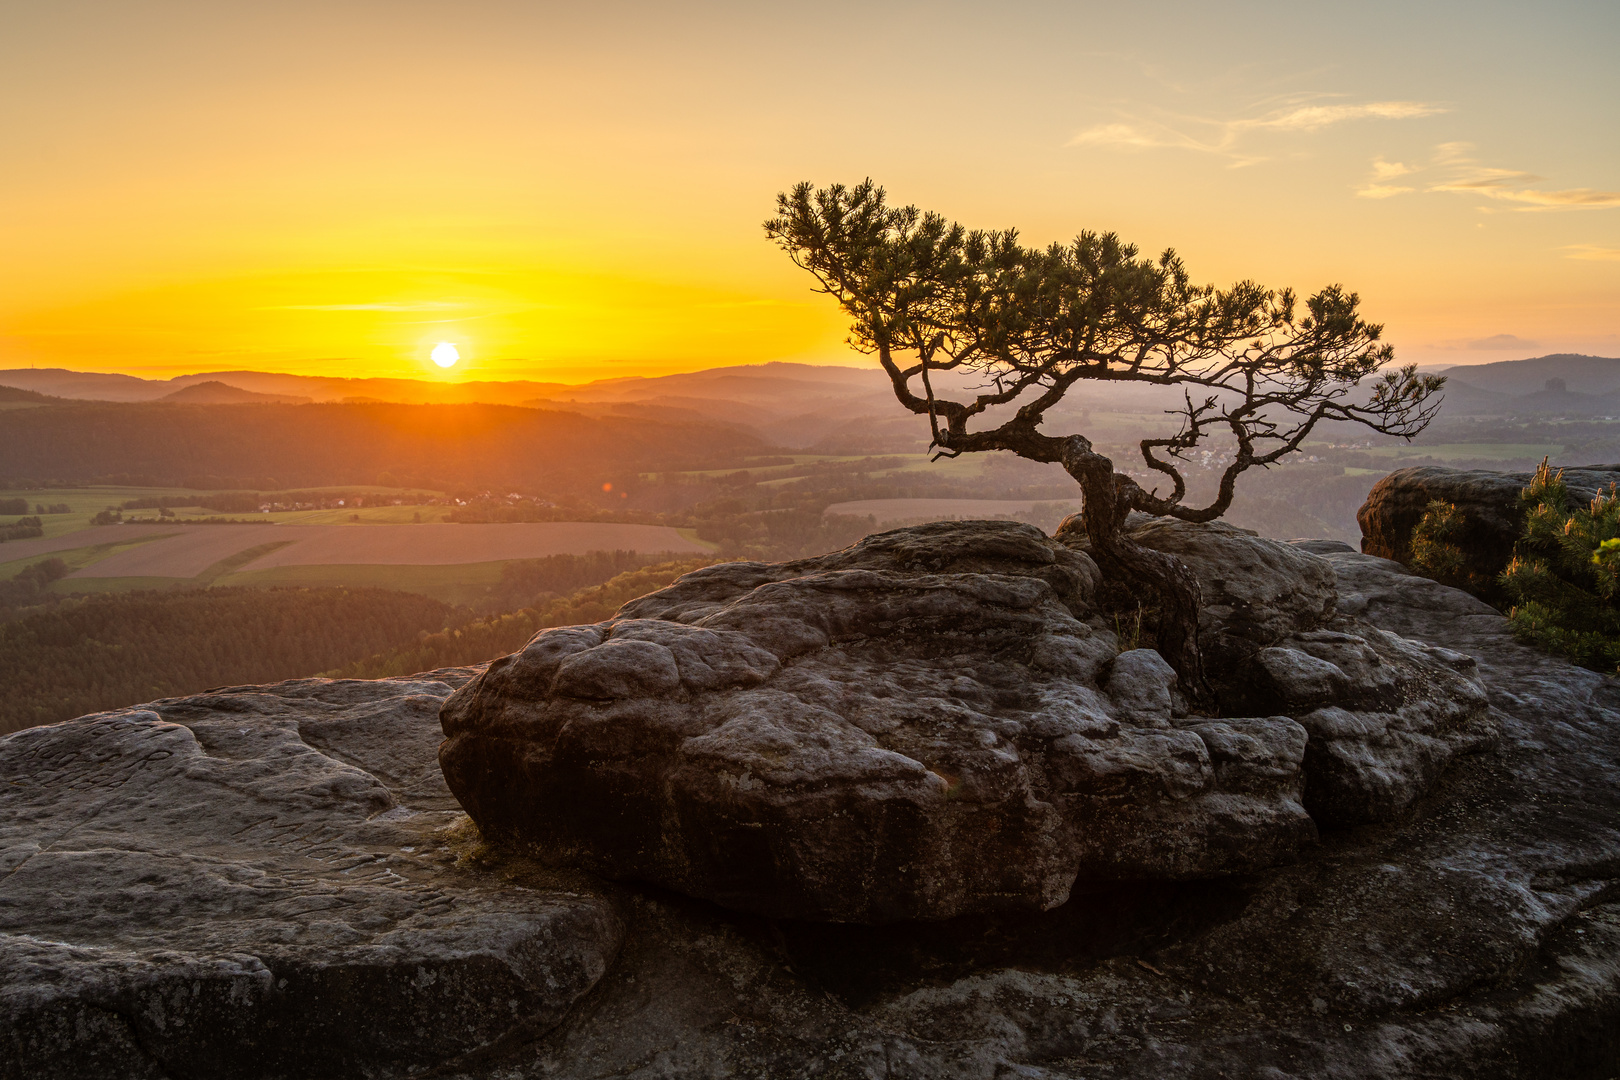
(1519, 378)
(214, 392)
(478, 446)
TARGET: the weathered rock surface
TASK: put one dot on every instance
(1475, 935)
(1489, 502)
(1386, 715)
(934, 723)
(1479, 936)
(258, 883)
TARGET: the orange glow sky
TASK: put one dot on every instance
(570, 192)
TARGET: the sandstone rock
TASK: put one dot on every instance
(1141, 685)
(1386, 716)
(1479, 937)
(865, 738)
(912, 728)
(1489, 502)
(1256, 591)
(258, 882)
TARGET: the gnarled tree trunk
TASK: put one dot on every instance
(1107, 501)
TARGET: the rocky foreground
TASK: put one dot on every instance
(277, 882)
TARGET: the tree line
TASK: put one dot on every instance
(62, 656)
(105, 651)
(478, 640)
(20, 506)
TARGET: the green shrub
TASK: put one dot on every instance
(1435, 552)
(1565, 574)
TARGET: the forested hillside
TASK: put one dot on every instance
(63, 656)
(110, 650)
(285, 445)
(496, 635)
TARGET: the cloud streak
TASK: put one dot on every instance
(1223, 136)
(1453, 171)
(1592, 252)
(1383, 171)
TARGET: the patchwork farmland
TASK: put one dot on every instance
(188, 551)
(454, 563)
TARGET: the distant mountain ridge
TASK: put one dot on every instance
(1581, 374)
(753, 382)
(213, 392)
(806, 400)
(1562, 384)
(13, 394)
(791, 405)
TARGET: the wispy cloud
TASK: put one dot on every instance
(1453, 170)
(1568, 199)
(1222, 136)
(1142, 136)
(1501, 342)
(1384, 171)
(412, 305)
(1592, 252)
(1314, 117)
(1135, 136)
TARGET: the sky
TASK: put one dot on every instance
(569, 192)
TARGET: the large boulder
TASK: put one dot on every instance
(265, 882)
(934, 722)
(1488, 501)
(1255, 591)
(930, 723)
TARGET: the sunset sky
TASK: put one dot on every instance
(572, 192)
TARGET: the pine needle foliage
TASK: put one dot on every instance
(1436, 552)
(1564, 579)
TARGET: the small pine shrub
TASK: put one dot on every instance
(1564, 578)
(1436, 554)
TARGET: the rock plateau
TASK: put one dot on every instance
(275, 881)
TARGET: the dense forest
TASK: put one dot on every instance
(64, 655)
(496, 635)
(109, 650)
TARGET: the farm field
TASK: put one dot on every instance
(188, 552)
(90, 500)
(18, 551)
(889, 510)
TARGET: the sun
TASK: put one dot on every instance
(445, 354)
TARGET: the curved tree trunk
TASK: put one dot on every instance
(1106, 504)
